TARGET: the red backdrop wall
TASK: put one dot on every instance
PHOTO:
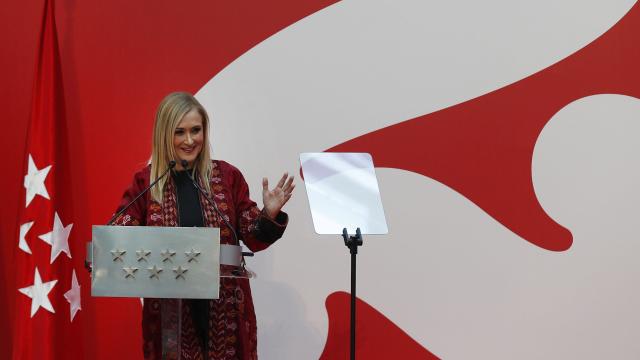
(119, 58)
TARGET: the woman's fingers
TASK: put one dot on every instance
(289, 189)
(286, 198)
(287, 185)
(282, 180)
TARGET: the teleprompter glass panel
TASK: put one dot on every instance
(343, 193)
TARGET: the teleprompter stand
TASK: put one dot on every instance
(352, 242)
(343, 194)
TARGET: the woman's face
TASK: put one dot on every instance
(188, 138)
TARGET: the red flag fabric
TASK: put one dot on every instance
(48, 299)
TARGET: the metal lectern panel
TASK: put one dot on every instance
(156, 262)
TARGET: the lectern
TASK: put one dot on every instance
(155, 262)
(167, 263)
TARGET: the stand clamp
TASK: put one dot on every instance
(352, 242)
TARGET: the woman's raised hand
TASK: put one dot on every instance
(275, 199)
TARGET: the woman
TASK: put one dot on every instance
(211, 329)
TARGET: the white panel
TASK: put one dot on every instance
(343, 193)
(357, 66)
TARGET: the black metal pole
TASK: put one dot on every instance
(352, 242)
(353, 301)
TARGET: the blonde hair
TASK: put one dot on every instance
(170, 112)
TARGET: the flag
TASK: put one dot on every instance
(48, 298)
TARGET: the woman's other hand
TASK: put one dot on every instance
(275, 199)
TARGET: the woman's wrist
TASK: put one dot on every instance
(270, 213)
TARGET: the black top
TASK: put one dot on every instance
(190, 214)
(189, 208)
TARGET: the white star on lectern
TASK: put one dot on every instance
(39, 293)
(34, 181)
(192, 255)
(117, 254)
(130, 272)
(142, 254)
(180, 271)
(58, 238)
(73, 296)
(167, 255)
(22, 242)
(154, 272)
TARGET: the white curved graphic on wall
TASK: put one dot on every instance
(472, 283)
(451, 275)
(358, 66)
(448, 274)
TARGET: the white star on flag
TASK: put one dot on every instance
(58, 238)
(34, 181)
(73, 296)
(22, 243)
(39, 293)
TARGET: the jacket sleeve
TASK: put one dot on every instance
(256, 229)
(136, 214)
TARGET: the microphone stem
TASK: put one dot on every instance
(114, 217)
(215, 206)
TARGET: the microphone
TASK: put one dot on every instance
(172, 164)
(185, 164)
